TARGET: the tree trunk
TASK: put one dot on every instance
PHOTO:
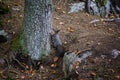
(35, 36)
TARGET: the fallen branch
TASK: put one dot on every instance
(105, 20)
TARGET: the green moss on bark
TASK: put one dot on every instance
(16, 45)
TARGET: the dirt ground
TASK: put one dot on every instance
(76, 33)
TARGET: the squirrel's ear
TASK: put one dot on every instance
(57, 31)
(53, 29)
(52, 33)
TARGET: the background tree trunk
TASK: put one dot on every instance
(35, 37)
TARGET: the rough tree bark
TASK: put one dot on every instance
(35, 37)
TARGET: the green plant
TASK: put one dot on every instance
(10, 78)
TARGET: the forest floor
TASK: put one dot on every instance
(76, 33)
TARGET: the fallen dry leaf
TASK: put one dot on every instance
(22, 77)
(77, 52)
(70, 29)
(13, 32)
(113, 71)
(103, 23)
(55, 59)
(22, 70)
(9, 21)
(7, 6)
(76, 72)
(99, 43)
(53, 65)
(27, 67)
(32, 74)
(65, 42)
(21, 16)
(58, 8)
(63, 12)
(56, 18)
(38, 63)
(95, 24)
(61, 23)
(29, 77)
(118, 37)
(1, 71)
(119, 52)
(31, 70)
(110, 29)
(92, 41)
(87, 14)
(101, 20)
(76, 64)
(93, 73)
(109, 60)
(44, 77)
(111, 17)
(53, 71)
(117, 77)
(41, 67)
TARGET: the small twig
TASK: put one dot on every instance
(13, 71)
(12, 57)
(3, 76)
(1, 73)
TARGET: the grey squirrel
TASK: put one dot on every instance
(57, 44)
